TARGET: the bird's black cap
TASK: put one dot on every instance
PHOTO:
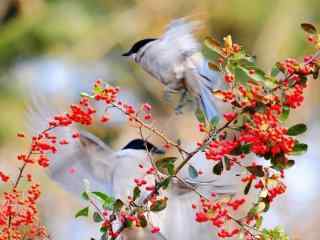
(138, 45)
(139, 144)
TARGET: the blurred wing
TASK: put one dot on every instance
(180, 35)
(169, 51)
(88, 158)
(178, 42)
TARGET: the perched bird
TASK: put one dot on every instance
(176, 60)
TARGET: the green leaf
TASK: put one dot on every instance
(97, 217)
(84, 94)
(97, 89)
(241, 58)
(170, 168)
(309, 28)
(267, 204)
(166, 165)
(200, 116)
(245, 148)
(299, 148)
(297, 129)
(275, 71)
(165, 183)
(103, 229)
(259, 222)
(258, 74)
(136, 193)
(247, 188)
(128, 224)
(214, 122)
(104, 197)
(214, 46)
(284, 114)
(83, 212)
(117, 205)
(290, 163)
(85, 196)
(227, 163)
(104, 237)
(143, 221)
(218, 168)
(193, 173)
(241, 76)
(256, 170)
(158, 205)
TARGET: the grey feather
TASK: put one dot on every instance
(88, 158)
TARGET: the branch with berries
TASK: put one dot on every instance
(260, 101)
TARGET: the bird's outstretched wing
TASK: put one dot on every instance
(179, 35)
(165, 56)
(87, 158)
(178, 41)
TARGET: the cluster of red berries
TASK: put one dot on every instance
(20, 210)
(217, 213)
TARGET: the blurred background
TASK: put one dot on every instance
(58, 48)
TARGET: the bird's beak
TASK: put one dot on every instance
(127, 54)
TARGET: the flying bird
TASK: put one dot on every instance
(175, 59)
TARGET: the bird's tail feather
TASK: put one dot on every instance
(206, 102)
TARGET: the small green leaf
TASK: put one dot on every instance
(165, 183)
(241, 76)
(136, 193)
(84, 94)
(256, 170)
(299, 148)
(97, 217)
(275, 71)
(247, 188)
(97, 89)
(200, 115)
(143, 221)
(267, 204)
(166, 165)
(158, 205)
(104, 237)
(85, 196)
(128, 224)
(227, 163)
(284, 114)
(290, 163)
(245, 148)
(309, 28)
(104, 197)
(214, 122)
(214, 46)
(83, 212)
(257, 75)
(297, 129)
(117, 205)
(103, 229)
(218, 168)
(193, 173)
